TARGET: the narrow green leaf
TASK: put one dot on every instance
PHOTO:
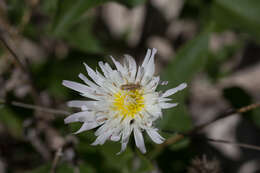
(11, 121)
(189, 61)
(71, 11)
(119, 162)
(144, 165)
(238, 14)
(131, 3)
(41, 169)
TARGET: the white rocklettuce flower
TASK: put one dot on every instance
(123, 100)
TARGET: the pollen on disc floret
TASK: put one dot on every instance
(128, 103)
(121, 101)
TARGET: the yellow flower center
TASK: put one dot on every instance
(128, 102)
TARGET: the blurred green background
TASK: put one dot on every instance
(213, 45)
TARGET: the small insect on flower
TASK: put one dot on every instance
(130, 86)
(122, 101)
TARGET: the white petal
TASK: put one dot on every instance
(79, 116)
(167, 105)
(140, 74)
(155, 136)
(139, 140)
(93, 75)
(96, 105)
(102, 129)
(108, 68)
(151, 86)
(102, 138)
(132, 67)
(163, 99)
(102, 118)
(124, 144)
(154, 110)
(77, 86)
(150, 66)
(174, 90)
(119, 67)
(115, 138)
(87, 126)
(147, 57)
(76, 103)
(87, 81)
(164, 83)
(103, 68)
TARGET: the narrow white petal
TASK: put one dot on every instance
(124, 144)
(101, 118)
(115, 138)
(104, 69)
(132, 67)
(155, 136)
(140, 74)
(147, 57)
(76, 86)
(108, 68)
(119, 67)
(150, 66)
(164, 83)
(102, 129)
(102, 138)
(139, 140)
(154, 111)
(93, 75)
(76, 103)
(90, 105)
(151, 86)
(87, 81)
(87, 126)
(163, 99)
(79, 116)
(174, 90)
(167, 105)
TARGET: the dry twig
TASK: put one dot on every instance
(176, 138)
(56, 159)
(34, 107)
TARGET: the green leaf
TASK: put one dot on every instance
(69, 12)
(11, 121)
(83, 38)
(15, 11)
(61, 168)
(119, 162)
(84, 168)
(64, 168)
(180, 144)
(131, 3)
(145, 165)
(41, 169)
(238, 14)
(189, 61)
(239, 97)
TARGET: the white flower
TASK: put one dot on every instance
(123, 101)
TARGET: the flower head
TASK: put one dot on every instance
(123, 100)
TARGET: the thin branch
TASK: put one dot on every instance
(8, 47)
(176, 138)
(5, 39)
(38, 144)
(35, 107)
(56, 159)
(7, 42)
(243, 145)
(225, 115)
